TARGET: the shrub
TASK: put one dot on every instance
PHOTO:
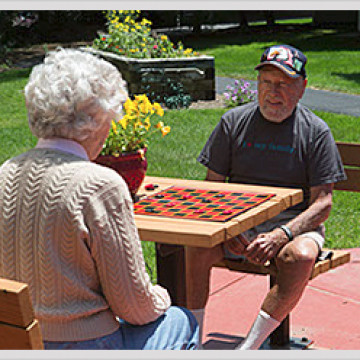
(130, 36)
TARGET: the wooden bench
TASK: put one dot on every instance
(280, 338)
(19, 330)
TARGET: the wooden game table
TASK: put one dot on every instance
(176, 237)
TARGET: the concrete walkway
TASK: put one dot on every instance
(328, 313)
(322, 100)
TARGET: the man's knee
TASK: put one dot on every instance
(300, 253)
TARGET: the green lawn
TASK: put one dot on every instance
(333, 54)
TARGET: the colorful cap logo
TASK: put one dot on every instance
(285, 57)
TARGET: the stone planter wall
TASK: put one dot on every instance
(197, 74)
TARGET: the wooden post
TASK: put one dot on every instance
(170, 263)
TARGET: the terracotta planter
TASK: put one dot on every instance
(131, 166)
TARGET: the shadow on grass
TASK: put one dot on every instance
(14, 74)
(306, 37)
(355, 77)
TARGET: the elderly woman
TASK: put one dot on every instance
(67, 226)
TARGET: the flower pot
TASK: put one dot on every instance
(196, 74)
(131, 166)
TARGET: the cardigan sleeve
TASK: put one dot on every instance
(116, 249)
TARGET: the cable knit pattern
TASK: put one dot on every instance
(67, 229)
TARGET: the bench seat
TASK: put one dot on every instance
(338, 258)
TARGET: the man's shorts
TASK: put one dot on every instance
(318, 235)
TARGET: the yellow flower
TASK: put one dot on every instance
(142, 153)
(164, 38)
(145, 22)
(158, 109)
(144, 104)
(160, 124)
(165, 130)
(141, 98)
(145, 107)
(136, 105)
(124, 121)
(113, 124)
(129, 106)
(147, 123)
(132, 131)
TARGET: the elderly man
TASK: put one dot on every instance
(276, 142)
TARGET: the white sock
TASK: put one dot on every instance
(199, 315)
(263, 326)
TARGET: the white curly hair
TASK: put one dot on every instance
(66, 92)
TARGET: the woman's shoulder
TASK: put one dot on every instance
(91, 171)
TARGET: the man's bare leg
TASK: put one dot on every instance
(294, 262)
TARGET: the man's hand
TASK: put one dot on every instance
(237, 245)
(265, 246)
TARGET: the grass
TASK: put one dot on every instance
(333, 54)
(15, 136)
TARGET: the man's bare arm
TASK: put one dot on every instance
(267, 245)
(317, 213)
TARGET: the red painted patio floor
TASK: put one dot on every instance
(328, 313)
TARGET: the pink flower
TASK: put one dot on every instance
(155, 47)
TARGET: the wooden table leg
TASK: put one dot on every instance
(185, 272)
(171, 271)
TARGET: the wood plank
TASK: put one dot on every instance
(212, 185)
(349, 153)
(319, 268)
(15, 303)
(352, 183)
(179, 233)
(247, 267)
(339, 257)
(17, 338)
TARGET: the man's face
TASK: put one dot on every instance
(278, 93)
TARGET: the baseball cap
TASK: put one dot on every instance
(285, 57)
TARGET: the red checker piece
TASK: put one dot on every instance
(171, 204)
(199, 211)
(151, 186)
(227, 212)
(186, 197)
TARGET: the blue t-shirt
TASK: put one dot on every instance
(299, 152)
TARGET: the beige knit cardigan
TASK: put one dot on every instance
(67, 229)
